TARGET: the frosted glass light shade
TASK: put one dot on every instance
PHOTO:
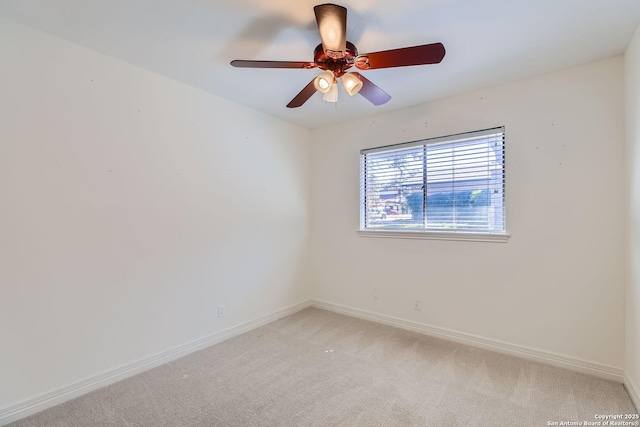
(324, 81)
(332, 93)
(351, 83)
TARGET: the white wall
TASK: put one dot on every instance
(632, 74)
(558, 284)
(131, 206)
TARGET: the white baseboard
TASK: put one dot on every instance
(633, 390)
(39, 403)
(31, 406)
(559, 360)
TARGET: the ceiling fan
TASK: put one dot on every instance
(335, 55)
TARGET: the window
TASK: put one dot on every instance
(442, 186)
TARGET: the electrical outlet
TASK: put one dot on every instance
(221, 310)
(417, 305)
(376, 293)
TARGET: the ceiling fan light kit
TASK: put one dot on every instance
(351, 83)
(335, 55)
(332, 94)
(324, 81)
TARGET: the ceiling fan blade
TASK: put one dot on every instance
(272, 64)
(303, 96)
(332, 25)
(403, 57)
(371, 92)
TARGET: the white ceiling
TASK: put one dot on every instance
(488, 42)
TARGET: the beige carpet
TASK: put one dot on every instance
(317, 368)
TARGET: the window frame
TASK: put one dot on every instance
(435, 234)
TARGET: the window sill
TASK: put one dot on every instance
(437, 235)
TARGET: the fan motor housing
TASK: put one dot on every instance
(337, 65)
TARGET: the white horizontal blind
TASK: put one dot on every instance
(452, 183)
